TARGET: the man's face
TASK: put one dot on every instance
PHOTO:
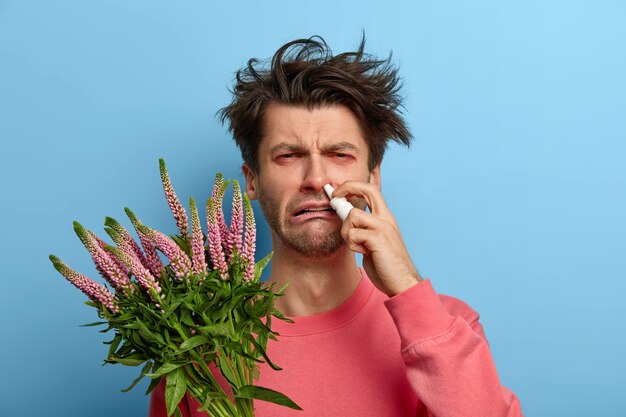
(301, 151)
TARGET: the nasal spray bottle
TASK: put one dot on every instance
(340, 204)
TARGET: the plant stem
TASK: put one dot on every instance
(209, 375)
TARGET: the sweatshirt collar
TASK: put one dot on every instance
(329, 320)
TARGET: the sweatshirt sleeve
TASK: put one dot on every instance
(447, 357)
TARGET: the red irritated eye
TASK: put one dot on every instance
(286, 158)
(343, 157)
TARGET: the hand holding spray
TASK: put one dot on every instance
(340, 204)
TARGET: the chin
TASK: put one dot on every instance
(326, 243)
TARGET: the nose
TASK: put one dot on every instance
(315, 175)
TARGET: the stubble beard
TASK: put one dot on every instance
(316, 241)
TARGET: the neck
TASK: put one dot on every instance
(316, 284)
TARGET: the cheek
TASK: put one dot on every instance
(269, 194)
(278, 185)
(357, 174)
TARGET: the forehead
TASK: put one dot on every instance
(318, 127)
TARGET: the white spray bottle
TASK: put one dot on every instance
(340, 204)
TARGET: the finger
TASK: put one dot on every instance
(358, 219)
(364, 220)
(378, 229)
(370, 193)
(356, 240)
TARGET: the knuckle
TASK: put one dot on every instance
(352, 215)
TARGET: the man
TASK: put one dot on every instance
(375, 341)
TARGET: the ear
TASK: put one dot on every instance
(251, 181)
(375, 177)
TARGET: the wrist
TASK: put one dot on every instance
(404, 284)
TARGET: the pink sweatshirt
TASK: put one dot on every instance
(413, 355)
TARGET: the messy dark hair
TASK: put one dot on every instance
(305, 73)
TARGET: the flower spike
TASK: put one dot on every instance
(107, 267)
(96, 292)
(215, 240)
(249, 242)
(153, 261)
(124, 237)
(180, 262)
(198, 260)
(146, 280)
(172, 200)
(219, 188)
(121, 265)
(236, 222)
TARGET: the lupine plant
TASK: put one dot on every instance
(202, 318)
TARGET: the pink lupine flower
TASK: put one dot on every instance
(249, 242)
(236, 222)
(179, 261)
(144, 278)
(215, 240)
(198, 260)
(125, 238)
(153, 261)
(96, 292)
(219, 188)
(172, 200)
(103, 260)
(114, 258)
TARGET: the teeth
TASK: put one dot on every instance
(317, 209)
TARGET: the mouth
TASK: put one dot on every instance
(313, 211)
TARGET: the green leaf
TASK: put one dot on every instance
(259, 266)
(261, 350)
(185, 317)
(95, 323)
(174, 390)
(182, 243)
(135, 359)
(237, 349)
(124, 350)
(225, 367)
(283, 288)
(192, 342)
(209, 395)
(143, 373)
(219, 329)
(171, 309)
(167, 368)
(147, 334)
(114, 344)
(265, 394)
(153, 384)
(280, 316)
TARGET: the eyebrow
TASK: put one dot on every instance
(333, 147)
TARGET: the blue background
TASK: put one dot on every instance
(512, 197)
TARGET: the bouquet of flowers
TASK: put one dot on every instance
(204, 314)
